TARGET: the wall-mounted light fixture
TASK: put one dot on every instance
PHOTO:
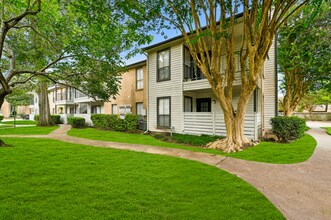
(214, 101)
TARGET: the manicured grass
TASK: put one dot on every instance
(48, 179)
(328, 130)
(294, 152)
(201, 140)
(122, 137)
(20, 122)
(268, 152)
(27, 130)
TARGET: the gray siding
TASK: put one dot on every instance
(172, 88)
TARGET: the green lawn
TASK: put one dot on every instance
(267, 152)
(328, 130)
(20, 122)
(48, 179)
(27, 130)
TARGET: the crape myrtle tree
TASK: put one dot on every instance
(73, 42)
(304, 54)
(210, 29)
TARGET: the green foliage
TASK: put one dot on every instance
(102, 121)
(288, 128)
(114, 122)
(131, 122)
(76, 122)
(19, 97)
(1, 117)
(201, 140)
(56, 119)
(268, 152)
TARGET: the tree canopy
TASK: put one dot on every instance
(304, 54)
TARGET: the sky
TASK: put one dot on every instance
(170, 33)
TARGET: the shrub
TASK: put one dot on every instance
(288, 128)
(101, 121)
(56, 119)
(1, 117)
(114, 122)
(131, 122)
(76, 122)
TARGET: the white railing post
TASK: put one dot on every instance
(255, 126)
(214, 118)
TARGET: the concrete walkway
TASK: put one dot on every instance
(299, 191)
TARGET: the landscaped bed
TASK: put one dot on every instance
(269, 152)
(48, 179)
(27, 130)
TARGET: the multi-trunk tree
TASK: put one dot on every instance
(304, 54)
(243, 29)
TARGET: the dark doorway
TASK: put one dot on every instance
(204, 105)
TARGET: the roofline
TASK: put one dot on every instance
(181, 36)
(140, 63)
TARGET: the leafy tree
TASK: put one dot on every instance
(212, 28)
(304, 54)
(19, 97)
(312, 99)
(75, 42)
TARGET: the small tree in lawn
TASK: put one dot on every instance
(304, 55)
(210, 29)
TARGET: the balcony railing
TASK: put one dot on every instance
(80, 94)
(62, 96)
(192, 72)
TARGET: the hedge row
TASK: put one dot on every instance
(1, 117)
(288, 128)
(76, 122)
(55, 118)
(114, 122)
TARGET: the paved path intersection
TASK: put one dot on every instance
(299, 191)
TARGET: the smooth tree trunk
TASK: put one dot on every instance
(44, 110)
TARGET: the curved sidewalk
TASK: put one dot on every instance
(299, 191)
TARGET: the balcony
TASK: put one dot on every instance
(195, 80)
(82, 97)
(62, 98)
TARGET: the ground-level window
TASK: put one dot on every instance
(139, 108)
(187, 104)
(163, 112)
(204, 105)
(124, 109)
(114, 109)
(96, 109)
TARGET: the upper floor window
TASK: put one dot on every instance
(163, 65)
(140, 78)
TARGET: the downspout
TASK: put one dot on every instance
(276, 76)
(147, 92)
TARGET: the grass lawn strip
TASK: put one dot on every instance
(19, 122)
(328, 130)
(267, 152)
(48, 179)
(27, 130)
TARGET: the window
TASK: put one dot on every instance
(114, 109)
(96, 109)
(140, 78)
(187, 104)
(124, 109)
(163, 65)
(139, 108)
(204, 105)
(163, 112)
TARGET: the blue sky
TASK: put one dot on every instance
(170, 33)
